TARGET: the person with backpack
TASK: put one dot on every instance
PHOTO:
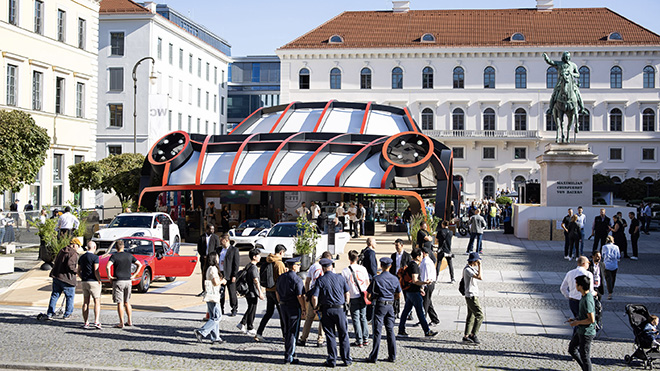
(253, 294)
(230, 268)
(412, 288)
(468, 288)
(213, 281)
(315, 271)
(273, 269)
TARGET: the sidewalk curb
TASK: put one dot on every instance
(55, 367)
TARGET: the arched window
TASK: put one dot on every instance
(335, 78)
(615, 77)
(518, 181)
(520, 119)
(517, 37)
(648, 180)
(489, 78)
(459, 78)
(489, 119)
(648, 120)
(336, 39)
(551, 77)
(397, 78)
(649, 77)
(428, 38)
(303, 79)
(489, 186)
(550, 124)
(584, 121)
(458, 119)
(616, 120)
(521, 78)
(614, 36)
(585, 77)
(616, 180)
(365, 78)
(427, 78)
(427, 119)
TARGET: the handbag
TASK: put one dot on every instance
(357, 283)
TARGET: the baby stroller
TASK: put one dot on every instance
(647, 349)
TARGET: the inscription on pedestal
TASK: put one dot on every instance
(569, 187)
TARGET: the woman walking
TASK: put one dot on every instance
(611, 257)
(212, 298)
(619, 234)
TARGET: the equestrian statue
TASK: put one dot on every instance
(566, 99)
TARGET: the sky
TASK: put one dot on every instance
(258, 27)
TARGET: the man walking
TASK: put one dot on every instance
(361, 216)
(122, 281)
(581, 222)
(477, 225)
(315, 211)
(230, 266)
(331, 294)
(564, 225)
(583, 324)
(370, 264)
(352, 218)
(647, 213)
(290, 294)
(600, 229)
(315, 271)
(568, 287)
(358, 280)
(444, 237)
(400, 259)
(413, 293)
(208, 243)
(475, 314)
(634, 231)
(340, 215)
(273, 264)
(254, 293)
(383, 292)
(88, 271)
(427, 274)
(64, 279)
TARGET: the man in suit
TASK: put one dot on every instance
(400, 258)
(600, 229)
(230, 268)
(208, 243)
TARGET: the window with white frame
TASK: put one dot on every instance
(114, 149)
(649, 77)
(13, 12)
(80, 99)
(365, 78)
(207, 100)
(648, 154)
(459, 152)
(520, 119)
(12, 84)
(116, 79)
(520, 153)
(616, 120)
(169, 120)
(180, 58)
(215, 75)
(39, 17)
(159, 49)
(215, 103)
(116, 43)
(60, 84)
(648, 120)
(489, 119)
(199, 97)
(82, 33)
(458, 119)
(37, 93)
(179, 121)
(427, 119)
(61, 25)
(616, 154)
(190, 63)
(616, 75)
(585, 77)
(489, 153)
(116, 111)
(208, 71)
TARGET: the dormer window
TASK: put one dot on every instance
(614, 36)
(428, 38)
(517, 37)
(336, 39)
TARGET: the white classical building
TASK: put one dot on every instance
(189, 91)
(49, 70)
(476, 80)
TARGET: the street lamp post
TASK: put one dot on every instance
(152, 77)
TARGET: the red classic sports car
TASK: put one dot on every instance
(158, 261)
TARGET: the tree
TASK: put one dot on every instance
(24, 145)
(632, 189)
(600, 180)
(655, 188)
(117, 173)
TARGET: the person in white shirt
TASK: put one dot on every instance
(647, 213)
(581, 220)
(315, 271)
(352, 217)
(427, 273)
(568, 287)
(362, 218)
(316, 210)
(340, 213)
(358, 306)
(302, 211)
(67, 223)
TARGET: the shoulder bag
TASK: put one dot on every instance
(363, 294)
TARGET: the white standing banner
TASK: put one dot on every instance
(158, 117)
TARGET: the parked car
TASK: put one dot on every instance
(157, 225)
(249, 231)
(158, 261)
(285, 233)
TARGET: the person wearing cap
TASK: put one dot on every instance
(291, 296)
(414, 296)
(384, 291)
(427, 274)
(88, 271)
(330, 294)
(475, 315)
(400, 259)
(63, 273)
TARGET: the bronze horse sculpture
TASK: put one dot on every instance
(566, 99)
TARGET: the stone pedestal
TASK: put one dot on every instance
(566, 175)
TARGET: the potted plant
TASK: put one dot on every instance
(50, 241)
(305, 242)
(417, 219)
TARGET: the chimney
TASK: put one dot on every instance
(150, 5)
(544, 5)
(400, 6)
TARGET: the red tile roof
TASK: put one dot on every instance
(121, 6)
(475, 28)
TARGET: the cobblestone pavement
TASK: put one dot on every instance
(523, 330)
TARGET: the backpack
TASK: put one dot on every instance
(405, 279)
(359, 213)
(266, 275)
(461, 286)
(241, 281)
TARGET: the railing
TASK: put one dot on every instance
(482, 133)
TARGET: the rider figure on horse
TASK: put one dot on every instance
(565, 70)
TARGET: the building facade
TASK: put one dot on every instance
(49, 68)
(254, 82)
(184, 89)
(477, 81)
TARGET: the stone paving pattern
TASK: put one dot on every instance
(524, 327)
